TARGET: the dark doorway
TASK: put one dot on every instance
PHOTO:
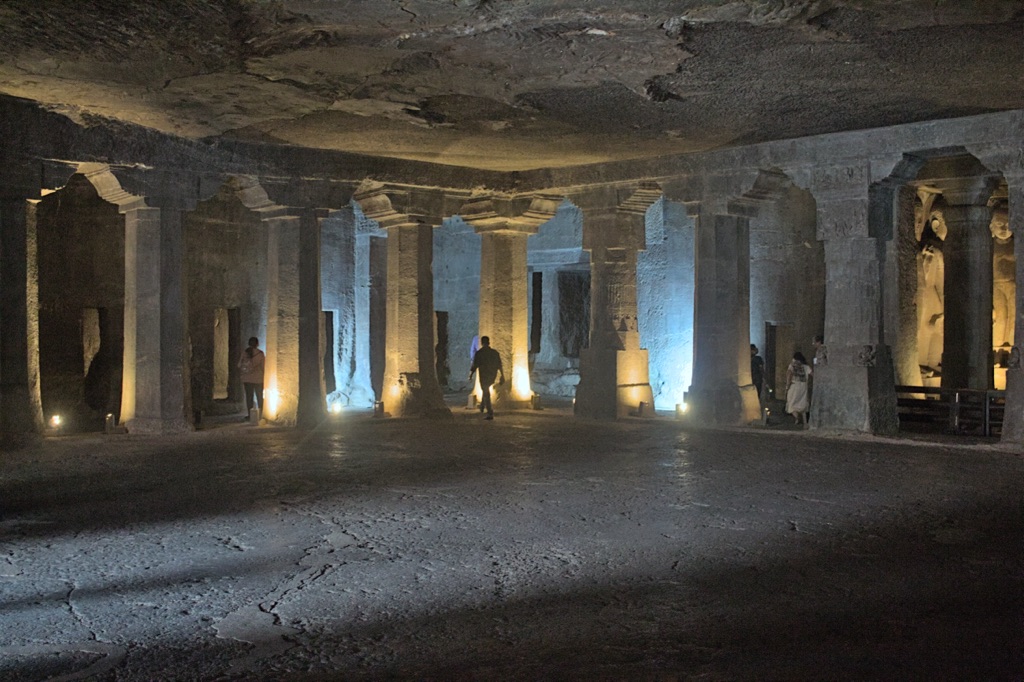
(441, 349)
(536, 311)
(573, 311)
(103, 357)
(779, 347)
(378, 312)
(327, 343)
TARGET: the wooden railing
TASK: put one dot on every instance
(959, 410)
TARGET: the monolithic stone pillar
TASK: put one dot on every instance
(504, 224)
(614, 371)
(312, 398)
(722, 390)
(903, 292)
(281, 378)
(21, 416)
(368, 260)
(410, 377)
(967, 323)
(155, 383)
(855, 390)
(1013, 419)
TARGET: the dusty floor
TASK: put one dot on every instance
(531, 547)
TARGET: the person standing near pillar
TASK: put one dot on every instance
(487, 362)
(797, 396)
(756, 370)
(252, 363)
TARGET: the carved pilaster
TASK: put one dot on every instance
(1013, 421)
(504, 222)
(614, 371)
(855, 390)
(409, 216)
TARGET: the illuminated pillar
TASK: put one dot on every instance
(504, 224)
(1013, 419)
(967, 321)
(281, 378)
(855, 390)
(155, 398)
(722, 390)
(21, 416)
(410, 377)
(614, 371)
(312, 396)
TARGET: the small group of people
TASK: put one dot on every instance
(798, 376)
(486, 362)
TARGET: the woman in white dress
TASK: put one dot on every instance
(797, 397)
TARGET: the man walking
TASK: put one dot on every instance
(487, 363)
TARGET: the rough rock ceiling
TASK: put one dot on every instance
(514, 84)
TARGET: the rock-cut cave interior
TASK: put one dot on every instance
(630, 201)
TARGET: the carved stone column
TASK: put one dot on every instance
(614, 370)
(1013, 420)
(904, 315)
(21, 416)
(504, 224)
(410, 377)
(155, 395)
(312, 398)
(361, 386)
(722, 390)
(967, 323)
(855, 390)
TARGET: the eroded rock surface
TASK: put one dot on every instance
(518, 83)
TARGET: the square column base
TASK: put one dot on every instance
(726, 404)
(408, 397)
(859, 396)
(613, 383)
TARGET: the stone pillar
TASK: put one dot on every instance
(722, 390)
(312, 398)
(281, 379)
(155, 384)
(1013, 419)
(504, 224)
(21, 416)
(855, 390)
(614, 371)
(410, 377)
(967, 323)
(367, 234)
(904, 283)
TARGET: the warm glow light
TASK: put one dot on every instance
(55, 421)
(521, 383)
(681, 408)
(272, 401)
(335, 407)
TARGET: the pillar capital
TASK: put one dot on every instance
(512, 213)
(840, 182)
(975, 191)
(401, 206)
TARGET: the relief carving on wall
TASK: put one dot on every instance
(842, 219)
(866, 357)
(851, 178)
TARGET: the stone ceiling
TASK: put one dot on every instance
(514, 84)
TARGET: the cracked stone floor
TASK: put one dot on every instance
(532, 547)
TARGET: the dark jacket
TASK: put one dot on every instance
(487, 361)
